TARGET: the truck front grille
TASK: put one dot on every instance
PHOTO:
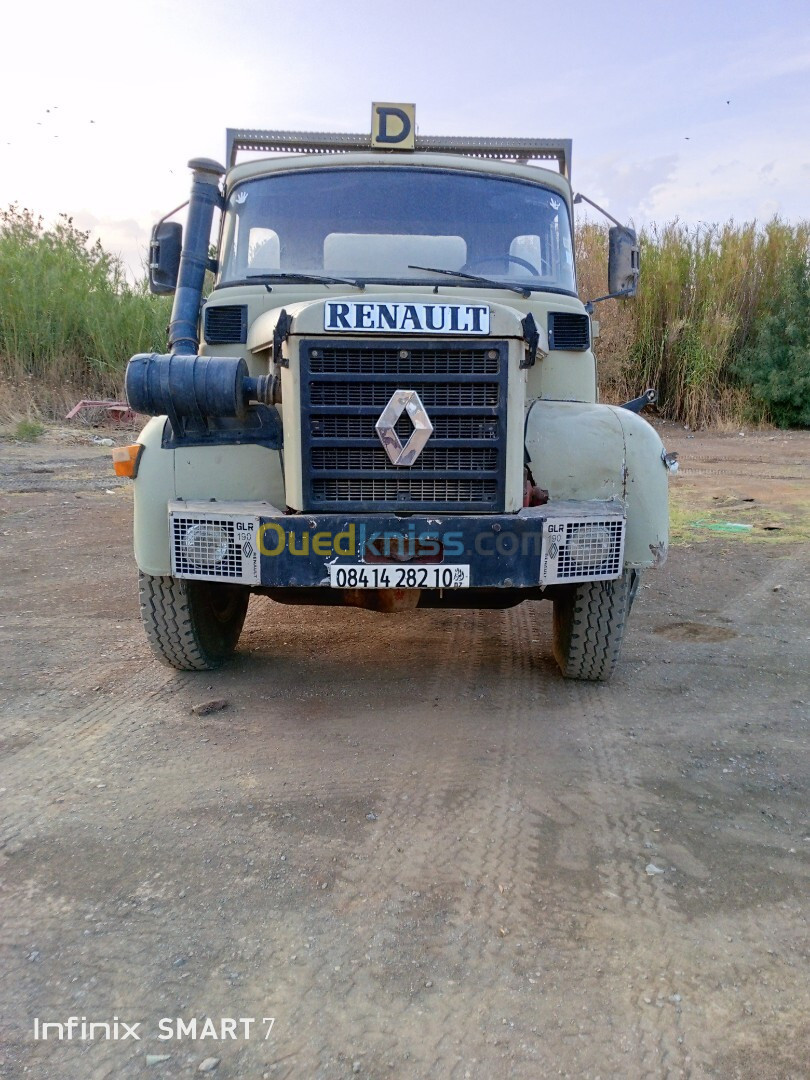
(346, 385)
(368, 360)
(362, 427)
(433, 395)
(421, 492)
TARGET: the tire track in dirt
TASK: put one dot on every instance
(457, 867)
(646, 902)
(394, 883)
(540, 901)
(510, 912)
(686, 471)
(69, 758)
(57, 763)
(497, 929)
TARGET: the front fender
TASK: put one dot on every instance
(243, 472)
(583, 451)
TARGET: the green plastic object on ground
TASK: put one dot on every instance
(722, 526)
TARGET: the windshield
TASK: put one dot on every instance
(395, 224)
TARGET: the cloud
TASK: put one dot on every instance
(718, 186)
(127, 238)
(629, 92)
(625, 186)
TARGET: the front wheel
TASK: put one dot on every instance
(192, 625)
(589, 624)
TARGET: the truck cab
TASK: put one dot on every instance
(388, 399)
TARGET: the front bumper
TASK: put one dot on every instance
(256, 544)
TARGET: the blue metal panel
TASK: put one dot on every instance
(502, 550)
(261, 426)
(366, 377)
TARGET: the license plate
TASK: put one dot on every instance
(363, 576)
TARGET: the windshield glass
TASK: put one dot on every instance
(376, 224)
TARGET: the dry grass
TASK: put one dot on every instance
(615, 318)
(701, 293)
(69, 321)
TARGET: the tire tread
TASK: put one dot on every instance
(589, 628)
(169, 624)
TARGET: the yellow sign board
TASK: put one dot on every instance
(393, 126)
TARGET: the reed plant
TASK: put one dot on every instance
(69, 318)
(719, 326)
(704, 294)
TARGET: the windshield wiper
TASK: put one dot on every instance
(523, 290)
(321, 279)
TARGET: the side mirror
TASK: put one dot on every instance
(164, 256)
(623, 261)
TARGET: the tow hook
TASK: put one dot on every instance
(670, 461)
(532, 494)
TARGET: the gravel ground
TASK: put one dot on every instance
(422, 853)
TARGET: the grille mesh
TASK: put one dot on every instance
(362, 427)
(461, 459)
(346, 385)
(406, 490)
(183, 565)
(569, 330)
(226, 325)
(379, 361)
(591, 550)
(432, 395)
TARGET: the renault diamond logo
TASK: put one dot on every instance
(404, 401)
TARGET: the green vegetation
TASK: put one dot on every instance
(69, 320)
(695, 517)
(28, 430)
(721, 324)
(776, 362)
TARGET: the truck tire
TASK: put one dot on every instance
(192, 625)
(589, 624)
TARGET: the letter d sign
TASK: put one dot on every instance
(393, 126)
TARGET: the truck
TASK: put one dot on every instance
(380, 391)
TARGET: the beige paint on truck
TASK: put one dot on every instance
(224, 473)
(579, 450)
(601, 465)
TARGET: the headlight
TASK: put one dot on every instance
(206, 545)
(589, 547)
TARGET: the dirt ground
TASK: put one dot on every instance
(423, 853)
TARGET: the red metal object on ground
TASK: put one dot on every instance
(118, 410)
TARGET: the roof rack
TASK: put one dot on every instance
(321, 142)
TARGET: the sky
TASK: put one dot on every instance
(689, 109)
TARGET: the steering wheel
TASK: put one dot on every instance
(485, 259)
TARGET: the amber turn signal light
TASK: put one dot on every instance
(126, 460)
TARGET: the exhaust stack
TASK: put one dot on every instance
(204, 199)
